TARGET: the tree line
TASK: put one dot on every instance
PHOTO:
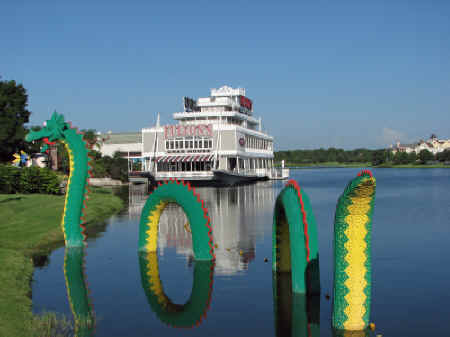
(374, 157)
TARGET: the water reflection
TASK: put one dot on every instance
(235, 214)
(347, 333)
(188, 315)
(296, 315)
(77, 292)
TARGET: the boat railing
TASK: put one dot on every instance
(279, 173)
(182, 174)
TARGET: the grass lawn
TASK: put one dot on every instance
(30, 224)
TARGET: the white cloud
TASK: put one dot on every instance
(391, 136)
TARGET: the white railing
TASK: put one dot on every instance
(273, 173)
(260, 172)
(279, 173)
(184, 174)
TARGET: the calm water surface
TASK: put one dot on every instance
(410, 248)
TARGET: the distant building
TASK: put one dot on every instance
(433, 144)
(128, 144)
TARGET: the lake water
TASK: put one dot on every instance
(410, 249)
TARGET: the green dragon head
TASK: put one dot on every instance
(52, 131)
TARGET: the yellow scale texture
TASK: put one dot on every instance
(152, 232)
(153, 274)
(356, 257)
(69, 151)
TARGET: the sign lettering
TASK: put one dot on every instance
(201, 130)
(246, 102)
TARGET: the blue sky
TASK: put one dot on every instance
(321, 73)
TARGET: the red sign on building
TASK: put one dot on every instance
(246, 102)
(201, 130)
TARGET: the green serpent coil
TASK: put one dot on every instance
(184, 195)
(295, 246)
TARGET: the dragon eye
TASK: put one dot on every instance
(45, 123)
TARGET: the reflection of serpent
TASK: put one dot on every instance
(181, 316)
(77, 292)
(185, 196)
(294, 237)
(77, 186)
(296, 315)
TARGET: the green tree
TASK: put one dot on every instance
(35, 146)
(379, 157)
(90, 137)
(13, 116)
(425, 156)
(401, 158)
(412, 157)
(443, 156)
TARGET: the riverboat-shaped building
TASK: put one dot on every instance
(217, 138)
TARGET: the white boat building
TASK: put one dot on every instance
(217, 138)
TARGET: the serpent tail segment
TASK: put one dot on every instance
(352, 257)
(183, 194)
(73, 222)
(295, 245)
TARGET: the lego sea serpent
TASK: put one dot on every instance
(295, 248)
(352, 254)
(183, 194)
(56, 129)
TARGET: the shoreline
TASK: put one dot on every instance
(21, 240)
(360, 165)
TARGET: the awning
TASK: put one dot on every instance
(186, 159)
(207, 157)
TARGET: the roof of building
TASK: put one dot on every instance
(405, 145)
(122, 138)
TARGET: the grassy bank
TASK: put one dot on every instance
(30, 224)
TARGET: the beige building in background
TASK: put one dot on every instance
(126, 143)
(433, 144)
